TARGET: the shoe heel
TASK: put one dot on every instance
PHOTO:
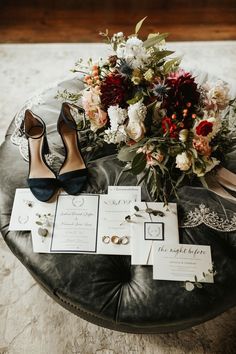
(46, 149)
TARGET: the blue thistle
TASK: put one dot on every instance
(124, 68)
(160, 90)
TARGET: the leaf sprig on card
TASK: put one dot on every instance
(137, 211)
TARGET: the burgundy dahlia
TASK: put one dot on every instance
(182, 93)
(113, 91)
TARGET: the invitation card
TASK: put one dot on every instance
(151, 223)
(114, 233)
(75, 224)
(182, 262)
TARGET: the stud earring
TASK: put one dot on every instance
(29, 203)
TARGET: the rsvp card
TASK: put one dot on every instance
(75, 224)
(182, 262)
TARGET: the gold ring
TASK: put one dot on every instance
(115, 239)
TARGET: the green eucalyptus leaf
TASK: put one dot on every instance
(154, 39)
(139, 25)
(138, 163)
(162, 54)
(171, 65)
(136, 98)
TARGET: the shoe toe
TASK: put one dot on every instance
(43, 188)
(74, 181)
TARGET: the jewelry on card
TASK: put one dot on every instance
(29, 203)
(44, 221)
(124, 240)
(42, 232)
(116, 240)
(106, 239)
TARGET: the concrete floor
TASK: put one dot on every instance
(30, 321)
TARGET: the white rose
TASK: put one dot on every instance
(183, 162)
(117, 116)
(217, 95)
(135, 130)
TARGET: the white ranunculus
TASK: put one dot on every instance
(134, 52)
(117, 116)
(137, 112)
(183, 162)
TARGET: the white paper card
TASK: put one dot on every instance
(149, 229)
(133, 192)
(182, 262)
(75, 226)
(21, 215)
(42, 244)
(112, 213)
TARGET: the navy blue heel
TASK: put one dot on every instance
(72, 181)
(43, 188)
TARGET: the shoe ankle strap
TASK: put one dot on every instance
(23, 131)
(71, 123)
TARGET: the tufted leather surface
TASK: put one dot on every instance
(107, 290)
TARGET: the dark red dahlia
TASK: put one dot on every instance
(182, 93)
(168, 125)
(204, 128)
(114, 90)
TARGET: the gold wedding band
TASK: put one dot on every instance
(115, 239)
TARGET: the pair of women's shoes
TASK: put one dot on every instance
(72, 176)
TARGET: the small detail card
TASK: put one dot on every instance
(133, 192)
(151, 224)
(182, 262)
(75, 225)
(21, 215)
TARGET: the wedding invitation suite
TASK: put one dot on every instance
(151, 224)
(182, 262)
(75, 225)
(115, 224)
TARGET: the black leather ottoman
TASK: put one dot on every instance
(108, 290)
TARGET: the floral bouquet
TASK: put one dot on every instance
(167, 128)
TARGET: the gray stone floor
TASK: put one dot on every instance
(30, 321)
